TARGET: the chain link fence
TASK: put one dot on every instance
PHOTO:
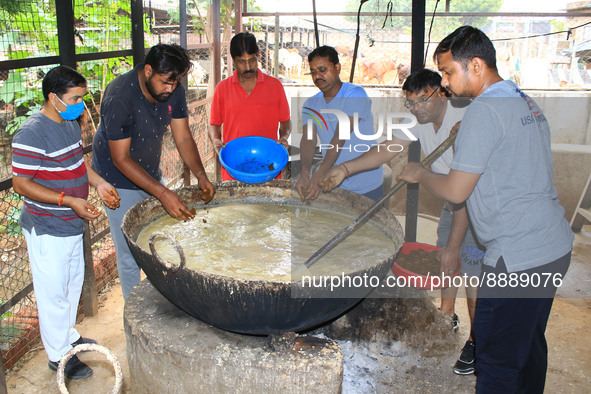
(536, 52)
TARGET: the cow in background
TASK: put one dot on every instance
(403, 72)
(377, 71)
(291, 61)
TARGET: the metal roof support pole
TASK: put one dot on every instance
(315, 23)
(137, 32)
(414, 152)
(216, 58)
(183, 35)
(65, 33)
(185, 79)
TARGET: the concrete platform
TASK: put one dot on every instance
(395, 369)
(171, 351)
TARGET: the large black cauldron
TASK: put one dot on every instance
(254, 306)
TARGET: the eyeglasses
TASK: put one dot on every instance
(409, 104)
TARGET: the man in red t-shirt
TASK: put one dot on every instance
(248, 102)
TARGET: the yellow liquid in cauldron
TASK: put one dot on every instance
(264, 241)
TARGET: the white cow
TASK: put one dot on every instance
(198, 75)
(291, 60)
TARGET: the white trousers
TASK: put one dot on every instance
(57, 264)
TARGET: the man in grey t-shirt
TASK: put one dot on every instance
(502, 168)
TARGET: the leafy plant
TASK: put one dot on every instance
(13, 213)
(29, 30)
(13, 228)
(6, 314)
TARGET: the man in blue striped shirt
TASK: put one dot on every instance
(49, 171)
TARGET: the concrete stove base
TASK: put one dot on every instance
(171, 351)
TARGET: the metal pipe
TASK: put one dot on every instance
(315, 23)
(65, 33)
(137, 32)
(414, 150)
(352, 75)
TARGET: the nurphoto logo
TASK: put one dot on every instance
(389, 122)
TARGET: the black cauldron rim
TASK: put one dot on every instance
(171, 280)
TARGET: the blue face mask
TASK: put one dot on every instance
(72, 111)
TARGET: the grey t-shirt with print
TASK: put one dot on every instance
(505, 138)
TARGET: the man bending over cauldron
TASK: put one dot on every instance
(49, 172)
(324, 116)
(249, 102)
(436, 117)
(136, 110)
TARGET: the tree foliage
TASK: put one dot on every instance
(23, 36)
(28, 29)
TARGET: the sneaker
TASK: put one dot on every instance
(82, 341)
(466, 362)
(75, 369)
(455, 323)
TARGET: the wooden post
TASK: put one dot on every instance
(217, 62)
(3, 389)
(237, 18)
(89, 293)
(185, 80)
(276, 48)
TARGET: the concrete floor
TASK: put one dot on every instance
(569, 347)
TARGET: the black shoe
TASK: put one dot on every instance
(466, 362)
(75, 369)
(82, 341)
(455, 323)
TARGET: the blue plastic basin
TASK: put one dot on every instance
(253, 159)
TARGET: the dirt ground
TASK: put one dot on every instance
(392, 370)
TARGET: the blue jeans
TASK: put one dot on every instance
(376, 193)
(129, 271)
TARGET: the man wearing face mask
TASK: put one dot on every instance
(136, 111)
(49, 172)
(248, 103)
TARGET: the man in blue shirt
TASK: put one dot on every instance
(321, 115)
